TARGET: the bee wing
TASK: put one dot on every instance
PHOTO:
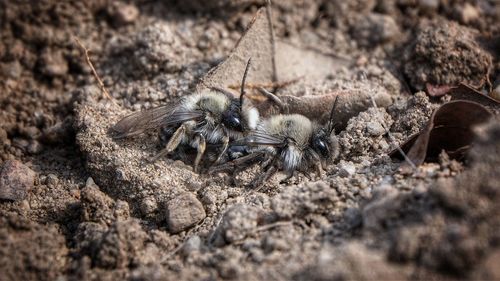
(243, 161)
(139, 122)
(261, 138)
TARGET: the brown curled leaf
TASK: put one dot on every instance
(467, 92)
(463, 92)
(449, 129)
(350, 104)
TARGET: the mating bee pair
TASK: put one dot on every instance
(215, 118)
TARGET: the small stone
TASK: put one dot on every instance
(193, 244)
(428, 6)
(16, 180)
(51, 180)
(148, 206)
(122, 13)
(183, 212)
(53, 63)
(467, 13)
(30, 132)
(346, 169)
(12, 69)
(374, 128)
(34, 147)
(90, 182)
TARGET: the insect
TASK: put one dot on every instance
(213, 116)
(287, 142)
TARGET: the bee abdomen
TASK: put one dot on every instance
(292, 158)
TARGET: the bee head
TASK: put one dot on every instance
(321, 143)
(231, 118)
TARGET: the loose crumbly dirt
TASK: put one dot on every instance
(97, 209)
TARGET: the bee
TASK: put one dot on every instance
(213, 116)
(288, 143)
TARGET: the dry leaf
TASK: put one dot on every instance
(256, 43)
(449, 129)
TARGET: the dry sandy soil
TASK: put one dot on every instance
(76, 204)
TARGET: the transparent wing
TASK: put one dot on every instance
(241, 162)
(139, 122)
(261, 138)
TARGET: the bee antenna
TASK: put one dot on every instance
(331, 125)
(242, 93)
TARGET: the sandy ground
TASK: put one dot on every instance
(76, 204)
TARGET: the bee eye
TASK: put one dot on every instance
(320, 146)
(233, 121)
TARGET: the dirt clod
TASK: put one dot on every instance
(184, 211)
(16, 180)
(443, 53)
(121, 246)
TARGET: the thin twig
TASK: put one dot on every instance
(391, 137)
(272, 225)
(274, 85)
(173, 252)
(273, 41)
(94, 72)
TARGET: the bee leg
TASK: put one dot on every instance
(225, 145)
(319, 169)
(270, 159)
(288, 177)
(172, 144)
(201, 145)
(266, 172)
(306, 174)
(318, 164)
(259, 181)
(283, 107)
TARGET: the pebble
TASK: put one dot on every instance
(122, 13)
(53, 63)
(51, 180)
(183, 212)
(193, 244)
(148, 206)
(468, 13)
(34, 147)
(374, 128)
(428, 5)
(31, 132)
(16, 180)
(12, 69)
(346, 169)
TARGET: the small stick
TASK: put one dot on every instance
(94, 72)
(272, 225)
(273, 42)
(391, 137)
(275, 85)
(393, 140)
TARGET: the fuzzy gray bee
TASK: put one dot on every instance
(213, 116)
(288, 142)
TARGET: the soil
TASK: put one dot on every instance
(76, 204)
